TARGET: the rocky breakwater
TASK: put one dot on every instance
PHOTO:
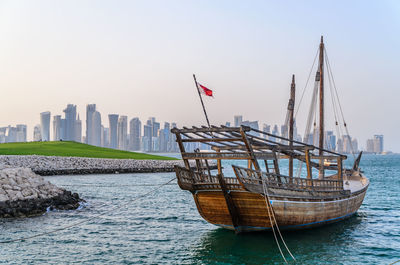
(23, 193)
(57, 165)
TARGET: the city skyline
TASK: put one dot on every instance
(127, 62)
(129, 133)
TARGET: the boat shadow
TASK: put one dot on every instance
(224, 246)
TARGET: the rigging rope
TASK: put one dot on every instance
(305, 87)
(340, 106)
(266, 197)
(90, 218)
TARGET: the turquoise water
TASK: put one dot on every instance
(165, 227)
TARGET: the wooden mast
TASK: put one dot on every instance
(291, 122)
(201, 100)
(321, 106)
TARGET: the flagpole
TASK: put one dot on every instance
(201, 100)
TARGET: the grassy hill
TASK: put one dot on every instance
(65, 148)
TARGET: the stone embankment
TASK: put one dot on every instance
(24, 193)
(56, 165)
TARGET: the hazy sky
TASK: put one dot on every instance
(137, 58)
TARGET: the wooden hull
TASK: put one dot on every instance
(290, 214)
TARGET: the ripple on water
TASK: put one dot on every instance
(166, 228)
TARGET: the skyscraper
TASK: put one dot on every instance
(378, 143)
(78, 130)
(135, 134)
(113, 120)
(122, 132)
(57, 128)
(238, 120)
(70, 121)
(90, 110)
(36, 133)
(96, 129)
(21, 133)
(45, 125)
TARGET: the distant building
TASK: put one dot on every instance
(370, 146)
(106, 137)
(37, 133)
(45, 125)
(122, 131)
(378, 143)
(57, 128)
(21, 133)
(135, 134)
(253, 125)
(90, 110)
(238, 120)
(147, 138)
(113, 120)
(78, 130)
(267, 129)
(70, 121)
(93, 126)
(330, 141)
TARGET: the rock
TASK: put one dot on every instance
(23, 193)
(3, 197)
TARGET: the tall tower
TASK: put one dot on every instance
(70, 121)
(57, 128)
(45, 125)
(122, 132)
(90, 110)
(113, 120)
(135, 133)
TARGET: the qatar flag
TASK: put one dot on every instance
(205, 91)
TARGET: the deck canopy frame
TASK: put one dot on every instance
(245, 143)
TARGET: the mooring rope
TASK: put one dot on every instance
(90, 218)
(266, 197)
(111, 186)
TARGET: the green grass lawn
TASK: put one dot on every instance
(65, 148)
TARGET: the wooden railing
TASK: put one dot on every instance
(193, 180)
(250, 176)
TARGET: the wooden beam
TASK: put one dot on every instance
(230, 204)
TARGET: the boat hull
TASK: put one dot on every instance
(290, 214)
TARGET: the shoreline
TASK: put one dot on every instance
(60, 165)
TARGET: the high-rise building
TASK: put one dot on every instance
(106, 137)
(90, 110)
(36, 133)
(378, 143)
(135, 134)
(57, 128)
(70, 121)
(78, 130)
(347, 148)
(113, 122)
(95, 132)
(267, 129)
(238, 120)
(147, 138)
(330, 141)
(370, 146)
(45, 125)
(122, 131)
(21, 133)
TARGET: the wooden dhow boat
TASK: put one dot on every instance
(266, 192)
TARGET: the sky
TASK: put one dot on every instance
(137, 58)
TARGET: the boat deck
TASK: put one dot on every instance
(354, 185)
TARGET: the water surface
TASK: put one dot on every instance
(165, 227)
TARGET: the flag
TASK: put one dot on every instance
(205, 91)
